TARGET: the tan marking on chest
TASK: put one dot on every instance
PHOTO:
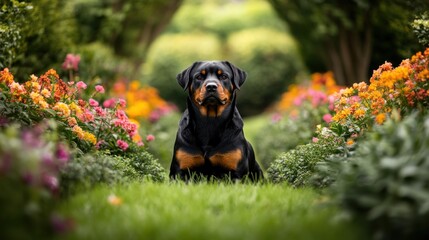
(228, 160)
(187, 160)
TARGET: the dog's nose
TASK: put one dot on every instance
(211, 87)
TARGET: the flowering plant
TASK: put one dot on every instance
(30, 165)
(84, 122)
(404, 88)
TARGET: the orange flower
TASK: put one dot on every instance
(380, 118)
(6, 77)
(114, 200)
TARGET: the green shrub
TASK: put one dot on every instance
(86, 171)
(171, 54)
(198, 16)
(277, 137)
(387, 183)
(272, 62)
(146, 166)
(298, 166)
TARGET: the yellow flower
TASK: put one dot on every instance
(87, 136)
(46, 93)
(39, 100)
(75, 108)
(62, 109)
(359, 113)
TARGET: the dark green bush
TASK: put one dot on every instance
(272, 62)
(86, 171)
(298, 166)
(89, 170)
(171, 54)
(387, 182)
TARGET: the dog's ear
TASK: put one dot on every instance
(239, 76)
(183, 78)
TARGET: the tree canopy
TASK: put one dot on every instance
(349, 36)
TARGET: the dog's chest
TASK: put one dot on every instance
(228, 160)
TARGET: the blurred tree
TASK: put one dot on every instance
(34, 35)
(128, 26)
(345, 34)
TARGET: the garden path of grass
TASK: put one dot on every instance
(204, 211)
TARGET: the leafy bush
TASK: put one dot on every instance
(272, 62)
(298, 166)
(38, 34)
(30, 164)
(171, 54)
(146, 166)
(386, 182)
(198, 16)
(421, 29)
(88, 170)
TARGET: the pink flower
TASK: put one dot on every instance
(99, 89)
(122, 102)
(100, 111)
(327, 118)
(93, 102)
(315, 139)
(140, 143)
(121, 115)
(122, 144)
(81, 85)
(150, 138)
(275, 118)
(71, 62)
(109, 103)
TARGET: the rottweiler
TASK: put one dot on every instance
(210, 142)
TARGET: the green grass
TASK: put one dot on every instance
(204, 211)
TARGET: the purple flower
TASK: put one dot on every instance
(62, 154)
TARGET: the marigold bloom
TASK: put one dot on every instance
(87, 136)
(380, 118)
(114, 200)
(6, 77)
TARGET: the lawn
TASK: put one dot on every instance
(204, 211)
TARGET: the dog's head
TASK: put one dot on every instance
(211, 84)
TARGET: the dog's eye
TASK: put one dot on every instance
(199, 77)
(223, 77)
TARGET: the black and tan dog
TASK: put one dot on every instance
(210, 140)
